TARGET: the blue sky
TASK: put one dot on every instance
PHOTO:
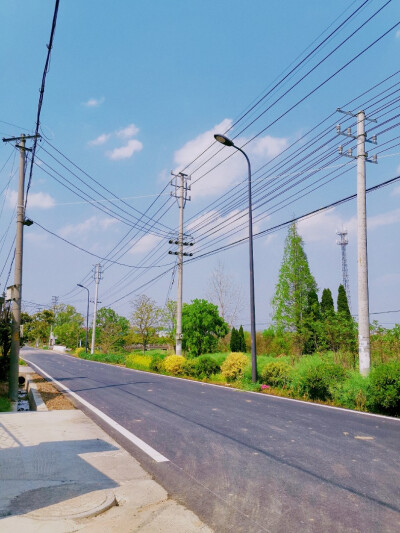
(137, 88)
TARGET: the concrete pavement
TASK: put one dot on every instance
(59, 472)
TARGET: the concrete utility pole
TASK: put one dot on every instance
(182, 197)
(97, 278)
(54, 303)
(363, 296)
(15, 291)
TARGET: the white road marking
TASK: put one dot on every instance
(154, 454)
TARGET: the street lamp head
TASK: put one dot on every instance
(223, 139)
(79, 285)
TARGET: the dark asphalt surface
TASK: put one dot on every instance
(248, 462)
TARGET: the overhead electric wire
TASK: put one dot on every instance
(270, 91)
(41, 94)
(102, 186)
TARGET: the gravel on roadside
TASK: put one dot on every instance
(53, 398)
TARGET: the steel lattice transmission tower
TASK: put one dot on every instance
(343, 242)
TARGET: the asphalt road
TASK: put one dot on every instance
(248, 462)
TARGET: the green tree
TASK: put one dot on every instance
(68, 326)
(233, 345)
(295, 282)
(342, 303)
(168, 316)
(146, 318)
(111, 329)
(202, 327)
(311, 322)
(242, 342)
(327, 307)
(5, 341)
(37, 327)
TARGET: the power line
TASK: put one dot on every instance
(41, 94)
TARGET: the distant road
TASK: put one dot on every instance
(247, 462)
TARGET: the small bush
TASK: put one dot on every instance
(157, 362)
(234, 366)
(276, 373)
(384, 389)
(352, 393)
(207, 366)
(174, 364)
(201, 367)
(138, 362)
(190, 368)
(314, 377)
(79, 351)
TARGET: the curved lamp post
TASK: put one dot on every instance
(227, 142)
(87, 316)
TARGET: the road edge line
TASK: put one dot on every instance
(146, 448)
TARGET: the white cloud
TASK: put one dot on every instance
(38, 200)
(268, 146)
(219, 176)
(124, 152)
(385, 219)
(398, 33)
(323, 227)
(101, 139)
(94, 102)
(87, 227)
(396, 191)
(145, 244)
(128, 132)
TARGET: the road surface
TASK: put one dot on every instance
(246, 462)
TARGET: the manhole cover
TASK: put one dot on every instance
(69, 501)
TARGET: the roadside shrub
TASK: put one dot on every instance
(157, 362)
(174, 364)
(201, 367)
(79, 351)
(352, 393)
(276, 373)
(384, 389)
(190, 368)
(314, 377)
(138, 362)
(234, 365)
(207, 366)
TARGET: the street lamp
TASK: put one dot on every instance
(87, 316)
(227, 142)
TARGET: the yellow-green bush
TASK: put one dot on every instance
(138, 362)
(234, 365)
(79, 351)
(174, 364)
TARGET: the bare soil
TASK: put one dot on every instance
(53, 398)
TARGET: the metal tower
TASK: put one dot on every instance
(343, 242)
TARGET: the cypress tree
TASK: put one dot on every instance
(294, 283)
(342, 303)
(233, 345)
(327, 307)
(242, 342)
(311, 323)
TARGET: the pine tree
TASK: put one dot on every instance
(233, 345)
(327, 307)
(294, 283)
(311, 323)
(242, 342)
(342, 303)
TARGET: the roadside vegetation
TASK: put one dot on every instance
(309, 352)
